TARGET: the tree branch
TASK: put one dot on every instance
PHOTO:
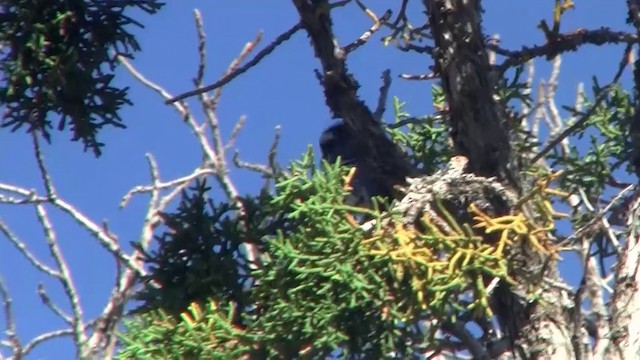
(563, 43)
(478, 131)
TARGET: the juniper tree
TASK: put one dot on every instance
(458, 258)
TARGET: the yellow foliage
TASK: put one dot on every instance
(448, 259)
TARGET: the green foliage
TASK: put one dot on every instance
(426, 140)
(56, 61)
(592, 167)
(324, 284)
(199, 255)
(199, 333)
(319, 288)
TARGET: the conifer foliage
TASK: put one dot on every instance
(464, 261)
(58, 62)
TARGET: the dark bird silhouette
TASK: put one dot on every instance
(380, 164)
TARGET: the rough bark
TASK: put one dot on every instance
(477, 129)
(624, 340)
(380, 156)
(480, 133)
(541, 329)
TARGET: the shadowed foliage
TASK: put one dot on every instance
(57, 63)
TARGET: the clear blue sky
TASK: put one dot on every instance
(282, 90)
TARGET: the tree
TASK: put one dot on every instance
(463, 260)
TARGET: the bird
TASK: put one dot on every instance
(380, 164)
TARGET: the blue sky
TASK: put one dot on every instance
(282, 90)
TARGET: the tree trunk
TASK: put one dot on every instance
(479, 132)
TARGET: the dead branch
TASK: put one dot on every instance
(563, 43)
(580, 122)
(13, 341)
(240, 70)
(378, 22)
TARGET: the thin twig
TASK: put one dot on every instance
(259, 168)
(430, 76)
(44, 337)
(13, 340)
(46, 300)
(235, 132)
(384, 93)
(585, 117)
(22, 248)
(65, 278)
(112, 313)
(251, 63)
(142, 189)
(365, 37)
(273, 150)
(576, 234)
(563, 43)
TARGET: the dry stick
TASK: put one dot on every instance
(44, 337)
(402, 14)
(65, 278)
(46, 300)
(248, 48)
(552, 117)
(241, 70)
(22, 248)
(599, 215)
(14, 341)
(104, 238)
(599, 99)
(269, 170)
(216, 154)
(235, 132)
(563, 43)
(605, 222)
(430, 76)
(216, 157)
(112, 312)
(384, 93)
(181, 107)
(142, 189)
(365, 37)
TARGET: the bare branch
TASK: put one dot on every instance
(235, 132)
(384, 94)
(251, 63)
(248, 48)
(141, 189)
(13, 341)
(578, 233)
(22, 248)
(430, 76)
(599, 99)
(44, 337)
(65, 278)
(564, 43)
(46, 300)
(365, 37)
(259, 168)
